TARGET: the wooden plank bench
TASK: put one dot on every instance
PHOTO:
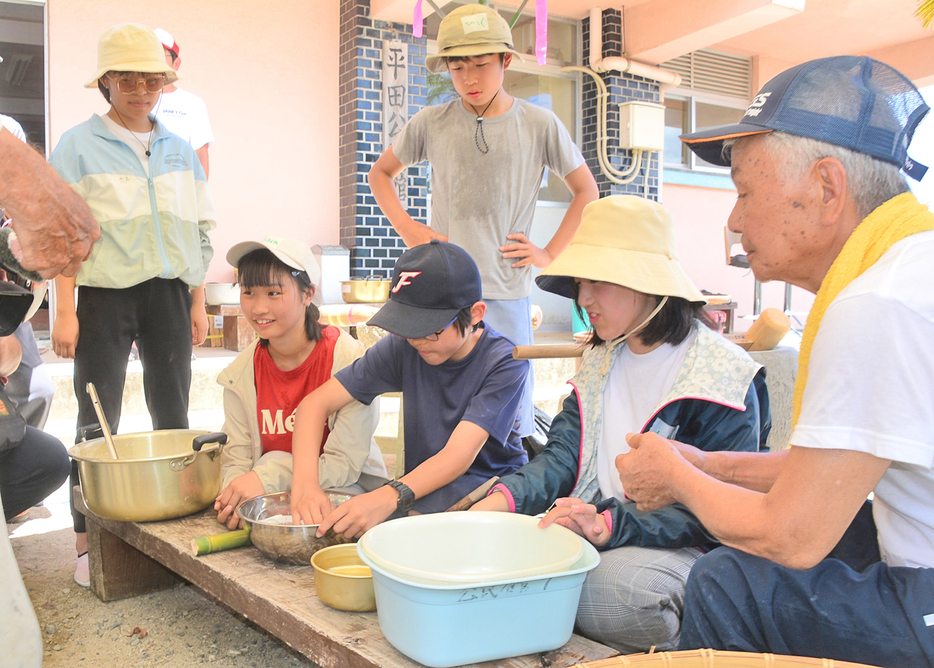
(128, 558)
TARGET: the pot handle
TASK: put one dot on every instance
(214, 437)
(90, 431)
(197, 443)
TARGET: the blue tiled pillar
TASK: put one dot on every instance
(374, 245)
(622, 87)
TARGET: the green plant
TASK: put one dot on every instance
(925, 12)
(440, 88)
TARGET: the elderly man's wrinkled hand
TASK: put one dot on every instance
(54, 226)
(646, 471)
(60, 236)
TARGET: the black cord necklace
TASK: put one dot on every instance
(478, 135)
(145, 146)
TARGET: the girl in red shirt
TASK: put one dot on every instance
(293, 355)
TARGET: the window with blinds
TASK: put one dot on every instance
(715, 89)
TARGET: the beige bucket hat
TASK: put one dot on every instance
(471, 30)
(130, 48)
(626, 240)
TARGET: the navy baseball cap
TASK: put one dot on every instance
(431, 283)
(850, 101)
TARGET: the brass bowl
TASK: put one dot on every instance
(288, 543)
(371, 290)
(158, 476)
(342, 580)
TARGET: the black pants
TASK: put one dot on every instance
(31, 471)
(157, 315)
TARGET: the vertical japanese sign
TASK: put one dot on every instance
(395, 101)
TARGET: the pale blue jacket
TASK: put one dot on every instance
(152, 226)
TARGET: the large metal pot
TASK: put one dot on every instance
(159, 475)
(369, 290)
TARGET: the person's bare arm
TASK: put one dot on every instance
(494, 502)
(753, 470)
(584, 190)
(380, 177)
(65, 325)
(11, 354)
(309, 502)
(451, 463)
(202, 154)
(199, 317)
(801, 518)
(54, 227)
(352, 518)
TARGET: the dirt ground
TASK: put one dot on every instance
(176, 628)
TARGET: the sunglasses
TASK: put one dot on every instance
(128, 82)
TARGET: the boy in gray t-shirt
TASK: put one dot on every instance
(488, 153)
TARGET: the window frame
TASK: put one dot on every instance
(692, 97)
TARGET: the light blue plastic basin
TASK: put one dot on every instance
(450, 625)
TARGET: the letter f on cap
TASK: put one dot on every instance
(405, 278)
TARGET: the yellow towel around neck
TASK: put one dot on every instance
(898, 218)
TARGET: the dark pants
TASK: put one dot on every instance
(840, 609)
(31, 471)
(157, 315)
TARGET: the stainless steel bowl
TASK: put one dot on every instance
(289, 543)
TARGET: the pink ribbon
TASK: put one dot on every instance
(541, 30)
(417, 19)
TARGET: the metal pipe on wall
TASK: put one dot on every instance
(617, 63)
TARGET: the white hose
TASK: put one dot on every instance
(612, 174)
(617, 63)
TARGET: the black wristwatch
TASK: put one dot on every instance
(406, 495)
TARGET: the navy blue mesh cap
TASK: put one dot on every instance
(431, 283)
(850, 101)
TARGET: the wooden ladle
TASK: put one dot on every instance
(105, 426)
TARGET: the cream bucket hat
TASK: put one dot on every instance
(471, 30)
(130, 48)
(626, 240)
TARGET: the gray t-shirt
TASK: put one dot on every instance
(477, 198)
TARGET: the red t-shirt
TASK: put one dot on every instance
(279, 392)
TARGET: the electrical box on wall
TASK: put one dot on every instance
(642, 126)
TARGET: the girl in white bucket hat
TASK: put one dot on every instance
(652, 365)
(143, 280)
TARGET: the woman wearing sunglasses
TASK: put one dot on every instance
(147, 190)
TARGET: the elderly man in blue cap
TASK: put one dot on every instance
(811, 568)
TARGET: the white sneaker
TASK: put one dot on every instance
(82, 574)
